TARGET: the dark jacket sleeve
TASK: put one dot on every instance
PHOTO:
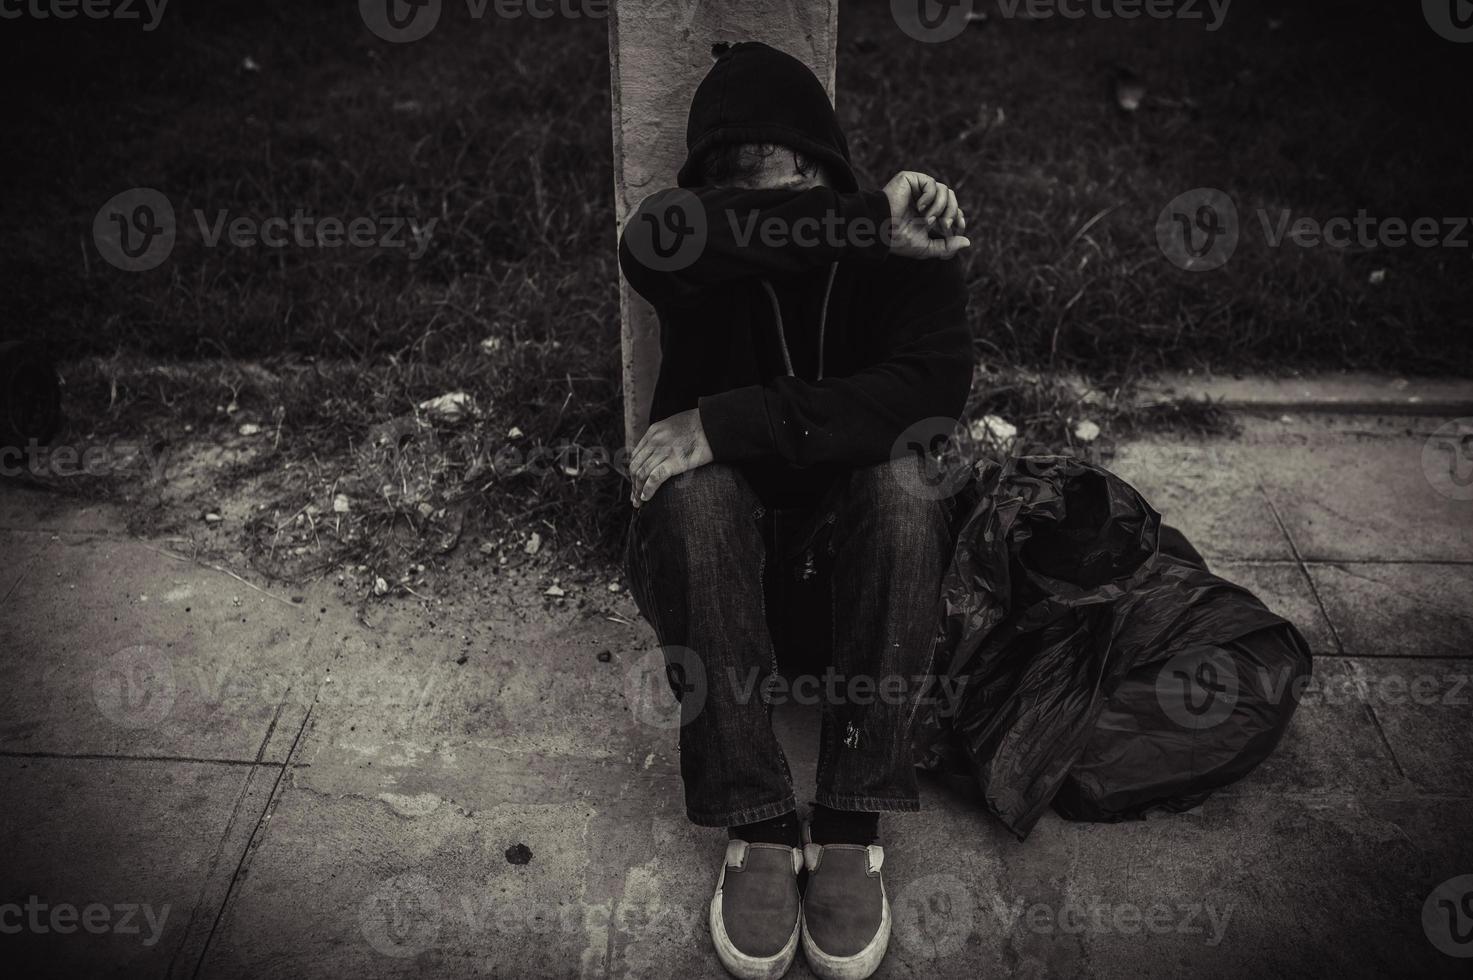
(745, 234)
(923, 370)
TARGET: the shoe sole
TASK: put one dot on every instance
(745, 967)
(863, 963)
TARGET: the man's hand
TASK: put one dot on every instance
(669, 447)
(920, 207)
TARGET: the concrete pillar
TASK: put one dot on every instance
(659, 50)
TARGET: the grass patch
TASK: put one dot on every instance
(498, 131)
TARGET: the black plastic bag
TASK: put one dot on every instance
(1090, 660)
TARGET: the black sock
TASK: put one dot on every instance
(774, 830)
(844, 826)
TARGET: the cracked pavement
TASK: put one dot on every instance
(288, 790)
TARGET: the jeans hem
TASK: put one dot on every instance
(750, 814)
(869, 804)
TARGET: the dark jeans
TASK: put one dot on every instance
(696, 559)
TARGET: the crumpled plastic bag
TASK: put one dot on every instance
(1090, 660)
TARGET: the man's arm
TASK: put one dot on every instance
(773, 233)
(744, 234)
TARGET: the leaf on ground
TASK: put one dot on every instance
(455, 406)
(993, 428)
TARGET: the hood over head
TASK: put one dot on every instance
(758, 94)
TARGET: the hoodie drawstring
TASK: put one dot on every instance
(823, 314)
(777, 314)
(823, 320)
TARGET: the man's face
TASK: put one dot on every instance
(775, 168)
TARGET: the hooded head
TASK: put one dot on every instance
(756, 94)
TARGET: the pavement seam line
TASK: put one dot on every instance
(16, 584)
(116, 757)
(1359, 674)
(266, 811)
(215, 856)
(1303, 568)
(1334, 631)
(272, 799)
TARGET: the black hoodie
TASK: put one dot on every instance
(803, 356)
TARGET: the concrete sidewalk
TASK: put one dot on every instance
(202, 777)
